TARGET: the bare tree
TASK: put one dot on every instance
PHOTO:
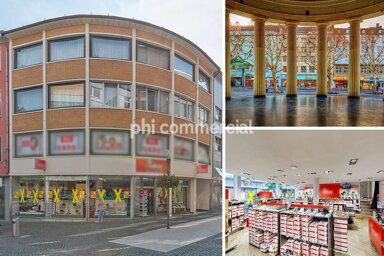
(372, 53)
(275, 48)
(337, 50)
(242, 44)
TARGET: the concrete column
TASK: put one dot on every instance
(7, 199)
(192, 195)
(48, 203)
(322, 89)
(132, 197)
(228, 88)
(237, 187)
(354, 59)
(259, 58)
(316, 189)
(291, 60)
(278, 193)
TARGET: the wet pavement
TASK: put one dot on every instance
(304, 110)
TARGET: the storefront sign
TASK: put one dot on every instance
(265, 194)
(118, 195)
(30, 144)
(56, 191)
(75, 199)
(202, 168)
(40, 164)
(151, 165)
(329, 191)
(110, 142)
(66, 142)
(143, 192)
(152, 145)
(183, 149)
(203, 154)
(251, 194)
(101, 194)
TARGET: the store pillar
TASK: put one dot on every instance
(46, 198)
(132, 195)
(192, 196)
(259, 58)
(354, 60)
(316, 190)
(291, 60)
(322, 60)
(228, 88)
(236, 187)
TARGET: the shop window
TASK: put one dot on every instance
(28, 196)
(203, 117)
(29, 144)
(183, 149)
(68, 142)
(110, 95)
(113, 48)
(68, 48)
(183, 108)
(203, 154)
(204, 81)
(27, 100)
(29, 55)
(184, 68)
(66, 95)
(152, 100)
(152, 145)
(145, 201)
(110, 142)
(152, 55)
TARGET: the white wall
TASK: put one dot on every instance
(202, 194)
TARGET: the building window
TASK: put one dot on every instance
(29, 144)
(152, 55)
(184, 149)
(27, 100)
(285, 58)
(66, 95)
(218, 114)
(110, 95)
(312, 69)
(304, 69)
(29, 55)
(203, 154)
(152, 145)
(110, 142)
(203, 117)
(183, 108)
(152, 100)
(184, 68)
(69, 48)
(112, 48)
(204, 81)
(69, 142)
(218, 144)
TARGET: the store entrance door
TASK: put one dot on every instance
(67, 196)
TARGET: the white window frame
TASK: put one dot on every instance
(157, 96)
(101, 100)
(190, 104)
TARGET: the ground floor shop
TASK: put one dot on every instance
(122, 196)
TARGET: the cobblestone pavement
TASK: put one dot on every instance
(40, 237)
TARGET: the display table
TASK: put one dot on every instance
(376, 234)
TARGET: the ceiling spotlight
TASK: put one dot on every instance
(245, 173)
(298, 174)
(280, 170)
(328, 171)
(381, 171)
(284, 176)
(294, 167)
(349, 173)
(353, 161)
(312, 173)
(303, 182)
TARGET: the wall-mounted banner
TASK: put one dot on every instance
(152, 145)
(40, 164)
(30, 144)
(202, 168)
(183, 149)
(108, 142)
(203, 154)
(329, 191)
(66, 142)
(151, 165)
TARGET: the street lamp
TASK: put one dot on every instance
(169, 188)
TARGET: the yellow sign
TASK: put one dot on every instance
(35, 193)
(56, 192)
(117, 193)
(16, 195)
(250, 199)
(126, 194)
(41, 194)
(93, 194)
(75, 198)
(50, 194)
(22, 199)
(101, 194)
(82, 194)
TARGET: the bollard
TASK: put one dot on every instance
(15, 225)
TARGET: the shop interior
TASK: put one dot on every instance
(312, 192)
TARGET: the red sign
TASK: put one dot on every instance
(376, 234)
(143, 192)
(202, 168)
(40, 164)
(151, 165)
(328, 191)
(226, 193)
(265, 194)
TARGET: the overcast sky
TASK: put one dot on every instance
(199, 20)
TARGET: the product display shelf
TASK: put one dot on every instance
(264, 226)
(236, 210)
(306, 233)
(340, 233)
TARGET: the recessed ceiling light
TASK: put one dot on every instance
(312, 173)
(298, 174)
(280, 170)
(294, 167)
(328, 171)
(381, 171)
(353, 161)
(284, 175)
(303, 182)
(245, 173)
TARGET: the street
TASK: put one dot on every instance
(198, 234)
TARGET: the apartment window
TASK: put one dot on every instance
(113, 48)
(218, 144)
(68, 142)
(183, 108)
(339, 69)
(203, 154)
(29, 55)
(152, 55)
(311, 69)
(27, 100)
(110, 95)
(285, 58)
(203, 116)
(66, 95)
(204, 81)
(303, 68)
(184, 68)
(152, 100)
(218, 114)
(183, 149)
(69, 48)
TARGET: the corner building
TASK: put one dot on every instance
(77, 85)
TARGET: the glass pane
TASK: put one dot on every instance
(66, 143)
(66, 49)
(183, 149)
(110, 95)
(29, 100)
(29, 197)
(190, 111)
(124, 96)
(164, 102)
(141, 98)
(152, 145)
(30, 144)
(111, 48)
(105, 142)
(153, 55)
(203, 154)
(184, 67)
(96, 95)
(29, 56)
(152, 100)
(71, 95)
(183, 108)
(203, 81)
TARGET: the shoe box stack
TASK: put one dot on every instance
(288, 246)
(305, 249)
(296, 227)
(313, 232)
(305, 222)
(234, 211)
(240, 212)
(297, 247)
(340, 230)
(270, 242)
(322, 233)
(290, 230)
(235, 224)
(284, 223)
(256, 237)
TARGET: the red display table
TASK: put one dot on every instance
(376, 234)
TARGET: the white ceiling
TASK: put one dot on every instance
(262, 153)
